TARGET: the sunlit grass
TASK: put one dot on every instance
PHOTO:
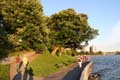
(46, 64)
(4, 72)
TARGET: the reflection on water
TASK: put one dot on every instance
(107, 66)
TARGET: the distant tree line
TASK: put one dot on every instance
(24, 26)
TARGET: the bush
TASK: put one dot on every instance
(84, 53)
(71, 52)
(97, 53)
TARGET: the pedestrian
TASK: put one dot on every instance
(18, 62)
(79, 61)
(25, 61)
(88, 58)
(84, 58)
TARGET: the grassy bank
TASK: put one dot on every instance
(4, 72)
(46, 64)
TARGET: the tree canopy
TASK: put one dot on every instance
(26, 26)
(68, 27)
(24, 20)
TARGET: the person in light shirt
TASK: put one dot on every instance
(25, 61)
(79, 61)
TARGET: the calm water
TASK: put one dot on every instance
(107, 66)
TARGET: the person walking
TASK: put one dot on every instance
(18, 62)
(79, 61)
(88, 58)
(25, 61)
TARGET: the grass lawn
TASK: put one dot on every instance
(4, 72)
(46, 64)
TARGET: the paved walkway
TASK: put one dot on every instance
(71, 72)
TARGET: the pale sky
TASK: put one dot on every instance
(104, 15)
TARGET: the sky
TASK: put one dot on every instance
(103, 15)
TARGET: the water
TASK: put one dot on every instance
(107, 66)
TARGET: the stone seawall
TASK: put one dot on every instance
(86, 71)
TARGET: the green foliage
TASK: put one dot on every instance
(96, 53)
(5, 44)
(83, 53)
(46, 64)
(71, 52)
(68, 26)
(24, 20)
(26, 26)
(18, 13)
(99, 53)
(4, 72)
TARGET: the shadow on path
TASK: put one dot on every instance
(27, 75)
(18, 76)
(31, 74)
(75, 73)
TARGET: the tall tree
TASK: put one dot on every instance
(24, 22)
(5, 44)
(70, 28)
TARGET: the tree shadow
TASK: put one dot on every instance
(18, 76)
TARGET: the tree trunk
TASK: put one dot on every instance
(54, 50)
(60, 51)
